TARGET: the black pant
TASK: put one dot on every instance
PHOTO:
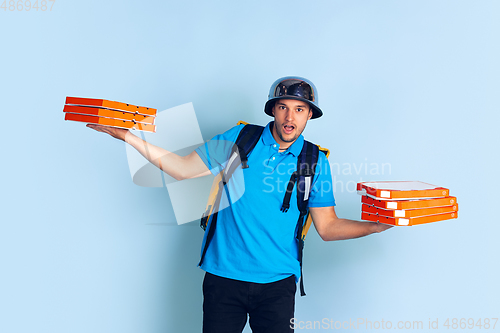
(226, 303)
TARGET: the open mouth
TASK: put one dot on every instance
(288, 128)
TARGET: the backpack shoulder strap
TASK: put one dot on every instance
(308, 222)
(306, 165)
(245, 142)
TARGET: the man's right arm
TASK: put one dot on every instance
(178, 167)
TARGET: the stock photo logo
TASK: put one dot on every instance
(178, 131)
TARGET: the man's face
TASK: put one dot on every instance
(290, 118)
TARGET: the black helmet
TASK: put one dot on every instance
(294, 87)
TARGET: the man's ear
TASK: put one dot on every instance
(310, 114)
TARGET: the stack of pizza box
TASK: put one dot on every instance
(110, 113)
(406, 203)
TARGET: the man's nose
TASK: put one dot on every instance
(289, 115)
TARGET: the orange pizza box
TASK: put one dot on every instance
(409, 204)
(400, 221)
(110, 122)
(112, 105)
(401, 190)
(409, 212)
(109, 113)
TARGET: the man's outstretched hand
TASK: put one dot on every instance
(117, 133)
(383, 227)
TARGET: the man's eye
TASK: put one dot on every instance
(282, 107)
(299, 109)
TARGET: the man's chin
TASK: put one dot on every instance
(287, 138)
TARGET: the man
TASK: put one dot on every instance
(251, 262)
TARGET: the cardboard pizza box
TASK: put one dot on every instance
(110, 122)
(409, 212)
(401, 221)
(409, 204)
(112, 105)
(401, 190)
(107, 113)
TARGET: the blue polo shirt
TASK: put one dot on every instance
(254, 241)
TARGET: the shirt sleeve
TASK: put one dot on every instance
(216, 152)
(322, 189)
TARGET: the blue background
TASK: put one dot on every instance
(411, 83)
